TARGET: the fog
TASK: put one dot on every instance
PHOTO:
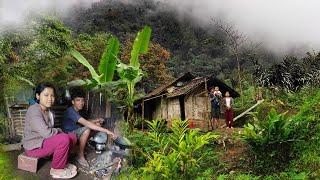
(281, 25)
(14, 12)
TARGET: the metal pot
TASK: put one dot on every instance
(100, 138)
(123, 142)
(100, 147)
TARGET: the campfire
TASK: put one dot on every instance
(108, 160)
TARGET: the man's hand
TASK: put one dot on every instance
(113, 136)
(98, 121)
(59, 130)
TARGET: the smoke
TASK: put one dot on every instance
(280, 25)
(14, 12)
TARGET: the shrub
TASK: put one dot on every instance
(6, 168)
(178, 155)
(308, 123)
(271, 140)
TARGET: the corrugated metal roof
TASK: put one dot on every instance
(163, 88)
(187, 88)
(191, 83)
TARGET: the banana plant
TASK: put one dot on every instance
(131, 74)
(106, 69)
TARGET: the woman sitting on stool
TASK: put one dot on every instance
(41, 139)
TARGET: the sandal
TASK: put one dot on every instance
(68, 166)
(83, 163)
(71, 167)
(65, 174)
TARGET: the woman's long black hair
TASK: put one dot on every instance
(40, 88)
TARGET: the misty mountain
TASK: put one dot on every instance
(194, 48)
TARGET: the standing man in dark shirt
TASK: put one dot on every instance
(74, 122)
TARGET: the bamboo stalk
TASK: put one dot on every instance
(142, 115)
(245, 112)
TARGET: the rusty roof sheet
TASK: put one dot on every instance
(190, 85)
(187, 88)
(164, 87)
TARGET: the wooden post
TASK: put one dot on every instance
(206, 94)
(206, 114)
(167, 110)
(161, 106)
(142, 115)
(7, 107)
(193, 106)
(9, 124)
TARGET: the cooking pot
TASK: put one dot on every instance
(100, 147)
(100, 138)
(123, 142)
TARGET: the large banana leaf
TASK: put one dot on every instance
(26, 80)
(108, 60)
(83, 61)
(140, 45)
(86, 83)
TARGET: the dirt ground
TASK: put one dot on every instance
(43, 169)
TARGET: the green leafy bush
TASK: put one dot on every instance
(280, 176)
(3, 127)
(271, 140)
(6, 168)
(279, 142)
(180, 154)
(308, 123)
(237, 177)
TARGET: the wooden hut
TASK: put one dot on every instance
(186, 97)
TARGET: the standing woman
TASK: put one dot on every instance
(41, 139)
(228, 105)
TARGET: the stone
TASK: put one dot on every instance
(27, 163)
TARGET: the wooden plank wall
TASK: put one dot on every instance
(157, 112)
(59, 112)
(197, 105)
(189, 109)
(173, 108)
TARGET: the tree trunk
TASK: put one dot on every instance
(130, 118)
(239, 78)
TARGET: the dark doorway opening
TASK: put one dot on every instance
(182, 110)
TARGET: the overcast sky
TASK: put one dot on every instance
(278, 24)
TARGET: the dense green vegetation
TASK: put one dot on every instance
(182, 154)
(282, 136)
(282, 142)
(200, 50)
(6, 168)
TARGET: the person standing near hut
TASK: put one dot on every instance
(41, 139)
(215, 98)
(228, 105)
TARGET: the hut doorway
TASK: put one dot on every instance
(182, 110)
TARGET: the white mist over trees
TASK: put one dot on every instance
(281, 25)
(14, 12)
